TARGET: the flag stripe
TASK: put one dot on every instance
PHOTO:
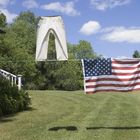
(112, 88)
(125, 71)
(113, 85)
(125, 65)
(125, 62)
(125, 74)
(109, 77)
(125, 68)
(112, 80)
(109, 90)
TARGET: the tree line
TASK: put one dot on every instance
(136, 54)
(17, 55)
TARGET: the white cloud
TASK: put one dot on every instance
(105, 4)
(3, 9)
(90, 28)
(4, 2)
(29, 4)
(10, 16)
(122, 34)
(65, 8)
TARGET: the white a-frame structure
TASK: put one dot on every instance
(46, 26)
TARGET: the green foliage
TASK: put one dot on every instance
(51, 49)
(17, 55)
(81, 51)
(136, 54)
(11, 99)
(2, 25)
(28, 17)
(65, 75)
(2, 20)
(69, 76)
(21, 34)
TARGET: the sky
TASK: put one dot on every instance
(111, 26)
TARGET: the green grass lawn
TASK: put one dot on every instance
(59, 115)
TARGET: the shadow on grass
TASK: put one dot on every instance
(68, 128)
(7, 118)
(74, 128)
(10, 117)
(114, 128)
(29, 109)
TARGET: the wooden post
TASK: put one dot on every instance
(19, 82)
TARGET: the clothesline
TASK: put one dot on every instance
(39, 61)
(54, 60)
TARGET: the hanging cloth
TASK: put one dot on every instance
(55, 26)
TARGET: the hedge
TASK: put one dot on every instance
(11, 99)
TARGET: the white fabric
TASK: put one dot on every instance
(46, 26)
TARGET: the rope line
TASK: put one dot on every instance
(40, 61)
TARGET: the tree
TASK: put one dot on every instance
(28, 17)
(18, 52)
(136, 54)
(3, 49)
(2, 20)
(69, 76)
(81, 51)
(23, 32)
(51, 49)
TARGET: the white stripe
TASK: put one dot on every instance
(113, 82)
(126, 71)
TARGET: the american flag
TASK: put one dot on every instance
(111, 75)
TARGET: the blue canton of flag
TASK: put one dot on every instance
(97, 67)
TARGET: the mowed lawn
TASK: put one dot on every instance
(61, 115)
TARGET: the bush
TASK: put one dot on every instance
(11, 99)
(69, 76)
(60, 75)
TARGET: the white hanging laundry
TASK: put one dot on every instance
(46, 26)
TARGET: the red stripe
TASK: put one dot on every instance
(125, 62)
(113, 85)
(92, 92)
(112, 79)
(121, 74)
